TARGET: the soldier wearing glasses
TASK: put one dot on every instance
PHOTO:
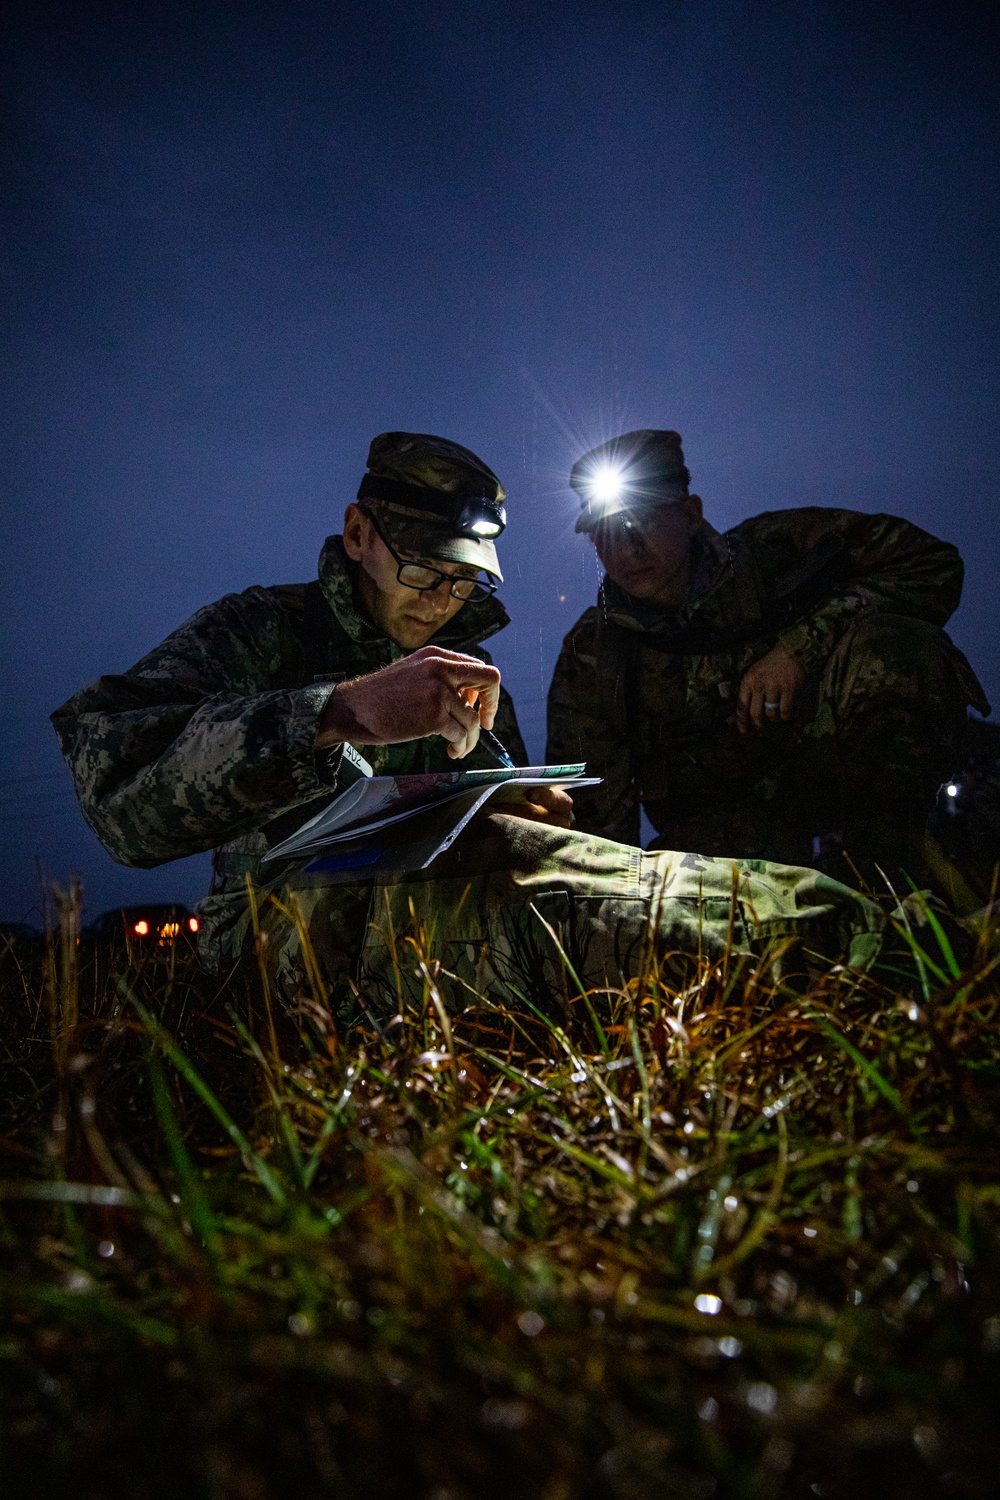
(232, 732)
(244, 722)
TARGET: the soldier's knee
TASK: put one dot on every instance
(898, 658)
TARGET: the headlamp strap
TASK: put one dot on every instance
(441, 503)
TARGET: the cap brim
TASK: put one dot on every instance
(439, 542)
(592, 515)
(632, 503)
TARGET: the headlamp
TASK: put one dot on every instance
(482, 518)
(638, 471)
(609, 489)
(605, 485)
(478, 516)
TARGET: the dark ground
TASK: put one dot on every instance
(740, 1239)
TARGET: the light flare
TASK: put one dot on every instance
(606, 484)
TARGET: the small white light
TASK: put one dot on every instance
(706, 1303)
(530, 1324)
(951, 790)
(730, 1204)
(605, 484)
(485, 528)
(762, 1398)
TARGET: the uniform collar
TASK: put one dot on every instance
(475, 621)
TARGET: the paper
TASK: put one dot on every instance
(372, 806)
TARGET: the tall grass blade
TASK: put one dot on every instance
(192, 1194)
(581, 988)
(868, 1069)
(191, 1076)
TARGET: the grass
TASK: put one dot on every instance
(738, 1240)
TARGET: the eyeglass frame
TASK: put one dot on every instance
(486, 586)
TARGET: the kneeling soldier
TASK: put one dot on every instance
(781, 691)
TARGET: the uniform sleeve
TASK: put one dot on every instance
(189, 748)
(586, 722)
(887, 565)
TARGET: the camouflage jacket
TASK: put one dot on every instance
(637, 687)
(208, 741)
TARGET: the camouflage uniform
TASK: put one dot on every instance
(648, 696)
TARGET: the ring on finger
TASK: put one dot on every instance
(771, 708)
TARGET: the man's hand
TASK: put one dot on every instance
(769, 689)
(425, 693)
(540, 804)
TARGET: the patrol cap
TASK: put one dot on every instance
(637, 469)
(434, 498)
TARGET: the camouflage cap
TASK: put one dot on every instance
(637, 469)
(422, 487)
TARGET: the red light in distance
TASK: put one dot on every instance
(193, 924)
(141, 928)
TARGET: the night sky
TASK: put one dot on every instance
(241, 240)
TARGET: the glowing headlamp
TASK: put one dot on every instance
(626, 476)
(479, 516)
(482, 518)
(611, 488)
(606, 485)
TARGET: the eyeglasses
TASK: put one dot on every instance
(425, 580)
(638, 519)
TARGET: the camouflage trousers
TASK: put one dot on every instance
(857, 769)
(516, 903)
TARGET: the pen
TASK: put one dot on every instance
(469, 696)
(497, 748)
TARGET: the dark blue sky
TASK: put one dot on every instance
(241, 240)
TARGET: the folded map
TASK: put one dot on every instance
(403, 822)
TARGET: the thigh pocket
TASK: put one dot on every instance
(562, 940)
